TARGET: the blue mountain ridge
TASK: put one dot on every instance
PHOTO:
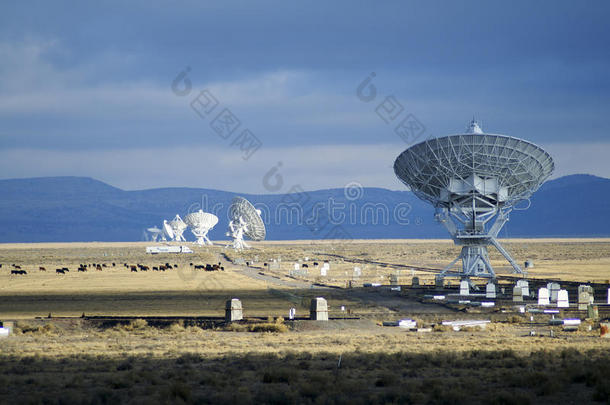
(65, 209)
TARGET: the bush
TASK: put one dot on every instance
(280, 375)
(25, 327)
(441, 328)
(268, 327)
(136, 324)
(176, 327)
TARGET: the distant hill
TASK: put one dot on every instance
(56, 209)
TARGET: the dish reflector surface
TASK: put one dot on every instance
(240, 207)
(508, 168)
(201, 220)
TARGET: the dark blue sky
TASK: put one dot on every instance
(86, 90)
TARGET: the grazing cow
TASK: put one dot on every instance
(17, 267)
(305, 265)
(222, 268)
(42, 268)
(82, 269)
(14, 271)
(315, 263)
(103, 264)
(134, 269)
(98, 268)
(265, 264)
(60, 271)
(199, 267)
(144, 268)
(155, 268)
(113, 264)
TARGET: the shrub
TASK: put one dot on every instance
(176, 327)
(441, 328)
(25, 327)
(136, 324)
(280, 375)
(268, 327)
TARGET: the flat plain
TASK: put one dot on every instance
(161, 352)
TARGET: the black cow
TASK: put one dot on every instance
(60, 271)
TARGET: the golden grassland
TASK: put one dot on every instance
(72, 360)
(184, 291)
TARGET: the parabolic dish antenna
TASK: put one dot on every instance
(167, 230)
(154, 233)
(178, 227)
(200, 223)
(244, 220)
(474, 180)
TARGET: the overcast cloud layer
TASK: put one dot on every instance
(87, 90)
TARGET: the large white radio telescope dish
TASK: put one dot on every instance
(245, 220)
(474, 180)
(178, 227)
(200, 223)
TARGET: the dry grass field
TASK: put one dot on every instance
(70, 359)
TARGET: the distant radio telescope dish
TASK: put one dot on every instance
(167, 230)
(200, 223)
(245, 220)
(178, 227)
(154, 233)
(474, 180)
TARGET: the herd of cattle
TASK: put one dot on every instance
(17, 270)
